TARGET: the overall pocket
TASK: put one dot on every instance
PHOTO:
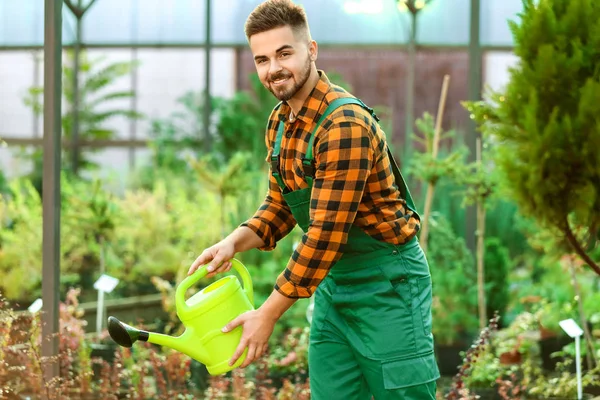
(403, 373)
(378, 308)
(379, 318)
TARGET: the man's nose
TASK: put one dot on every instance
(274, 67)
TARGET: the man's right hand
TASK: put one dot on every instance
(218, 258)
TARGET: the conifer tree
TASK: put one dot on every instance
(546, 121)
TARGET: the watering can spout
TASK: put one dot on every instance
(187, 343)
(125, 335)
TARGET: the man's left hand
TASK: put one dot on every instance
(257, 328)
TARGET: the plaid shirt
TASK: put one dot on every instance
(354, 184)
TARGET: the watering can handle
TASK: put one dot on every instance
(202, 272)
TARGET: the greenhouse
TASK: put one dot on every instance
(139, 140)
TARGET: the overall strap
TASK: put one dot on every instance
(309, 166)
(404, 192)
(275, 155)
(308, 162)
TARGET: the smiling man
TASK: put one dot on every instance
(333, 175)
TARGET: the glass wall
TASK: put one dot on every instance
(117, 22)
(166, 73)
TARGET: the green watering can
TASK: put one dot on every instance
(203, 315)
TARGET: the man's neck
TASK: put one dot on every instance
(298, 100)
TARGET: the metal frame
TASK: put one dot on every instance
(474, 94)
(51, 185)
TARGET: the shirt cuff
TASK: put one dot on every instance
(263, 231)
(289, 289)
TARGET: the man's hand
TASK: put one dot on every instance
(257, 328)
(218, 256)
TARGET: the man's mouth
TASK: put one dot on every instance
(279, 81)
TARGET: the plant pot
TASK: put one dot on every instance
(511, 358)
(103, 351)
(550, 345)
(449, 359)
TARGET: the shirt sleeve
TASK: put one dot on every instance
(344, 159)
(273, 220)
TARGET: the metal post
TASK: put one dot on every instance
(134, 106)
(100, 312)
(578, 367)
(36, 84)
(474, 95)
(78, 11)
(51, 184)
(76, 93)
(207, 96)
(134, 84)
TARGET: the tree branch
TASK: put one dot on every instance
(578, 249)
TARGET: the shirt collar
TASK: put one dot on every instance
(312, 105)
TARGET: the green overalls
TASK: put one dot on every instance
(371, 326)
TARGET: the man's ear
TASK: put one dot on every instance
(313, 50)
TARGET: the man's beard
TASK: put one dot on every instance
(286, 94)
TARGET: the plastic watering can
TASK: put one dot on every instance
(203, 315)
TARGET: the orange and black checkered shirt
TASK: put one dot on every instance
(353, 184)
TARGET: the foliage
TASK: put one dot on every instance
(98, 104)
(429, 168)
(20, 228)
(510, 362)
(225, 180)
(497, 264)
(458, 389)
(21, 363)
(547, 120)
(454, 288)
(243, 120)
(178, 135)
(543, 279)
(146, 372)
(3, 180)
(146, 233)
(481, 178)
(563, 383)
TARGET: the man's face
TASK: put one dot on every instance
(283, 60)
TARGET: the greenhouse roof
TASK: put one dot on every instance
(182, 22)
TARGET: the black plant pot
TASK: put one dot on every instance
(103, 351)
(549, 346)
(449, 359)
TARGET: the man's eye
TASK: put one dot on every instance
(285, 54)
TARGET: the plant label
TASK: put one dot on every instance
(571, 328)
(106, 283)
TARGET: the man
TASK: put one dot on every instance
(332, 174)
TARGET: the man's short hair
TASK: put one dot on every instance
(272, 14)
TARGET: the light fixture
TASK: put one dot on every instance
(414, 6)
